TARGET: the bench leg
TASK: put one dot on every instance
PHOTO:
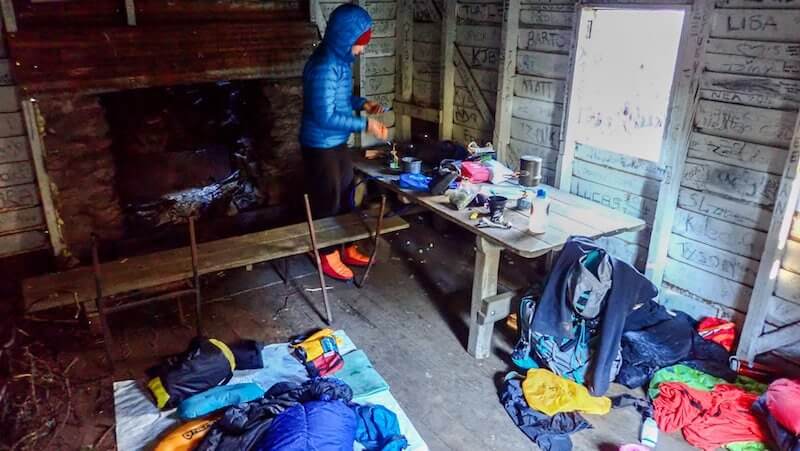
(108, 339)
(198, 312)
(374, 253)
(484, 285)
(181, 314)
(283, 273)
(315, 249)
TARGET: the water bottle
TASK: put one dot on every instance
(649, 433)
(540, 213)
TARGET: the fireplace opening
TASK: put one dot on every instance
(202, 150)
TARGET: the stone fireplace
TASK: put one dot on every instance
(134, 145)
(131, 165)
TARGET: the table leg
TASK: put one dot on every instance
(484, 284)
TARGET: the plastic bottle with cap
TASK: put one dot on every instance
(540, 213)
(648, 435)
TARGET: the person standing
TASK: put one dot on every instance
(330, 114)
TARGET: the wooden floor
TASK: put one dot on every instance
(410, 320)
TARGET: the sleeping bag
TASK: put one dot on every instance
(207, 363)
(317, 425)
(244, 426)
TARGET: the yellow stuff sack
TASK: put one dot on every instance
(318, 343)
(186, 436)
(551, 394)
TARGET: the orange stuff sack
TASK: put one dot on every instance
(719, 331)
(186, 436)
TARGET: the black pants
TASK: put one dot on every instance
(328, 181)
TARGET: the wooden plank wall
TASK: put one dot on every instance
(478, 34)
(748, 99)
(478, 38)
(749, 91)
(22, 224)
(545, 37)
(427, 51)
(379, 59)
(543, 62)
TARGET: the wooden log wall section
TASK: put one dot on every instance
(542, 65)
(89, 46)
(22, 219)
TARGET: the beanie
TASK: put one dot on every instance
(364, 38)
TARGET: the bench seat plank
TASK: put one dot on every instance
(151, 270)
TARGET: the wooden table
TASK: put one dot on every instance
(569, 215)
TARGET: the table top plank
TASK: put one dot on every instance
(570, 215)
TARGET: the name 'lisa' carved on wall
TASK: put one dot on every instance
(755, 22)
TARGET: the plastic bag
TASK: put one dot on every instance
(719, 331)
(499, 173)
(463, 195)
(317, 344)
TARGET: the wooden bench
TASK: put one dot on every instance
(144, 272)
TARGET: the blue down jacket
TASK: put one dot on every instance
(328, 102)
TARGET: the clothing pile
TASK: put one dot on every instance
(709, 411)
(655, 338)
(318, 413)
(547, 407)
(550, 432)
(597, 321)
(575, 327)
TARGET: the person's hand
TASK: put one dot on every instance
(377, 129)
(373, 107)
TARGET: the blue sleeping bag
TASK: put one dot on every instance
(317, 425)
(218, 398)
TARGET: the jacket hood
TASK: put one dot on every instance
(346, 23)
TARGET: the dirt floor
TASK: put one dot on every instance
(410, 319)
